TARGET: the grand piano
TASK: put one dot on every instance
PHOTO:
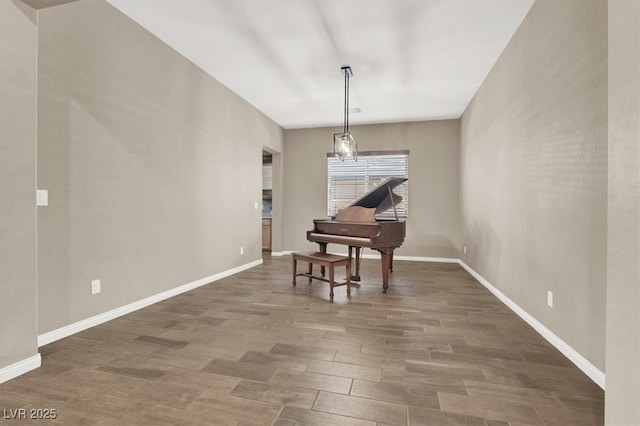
(356, 226)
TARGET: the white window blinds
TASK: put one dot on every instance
(348, 180)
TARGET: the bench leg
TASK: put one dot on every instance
(295, 269)
(348, 270)
(310, 272)
(331, 276)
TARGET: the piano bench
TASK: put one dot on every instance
(329, 261)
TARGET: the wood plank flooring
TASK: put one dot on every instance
(438, 349)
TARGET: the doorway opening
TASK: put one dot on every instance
(267, 201)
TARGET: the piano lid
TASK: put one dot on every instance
(378, 197)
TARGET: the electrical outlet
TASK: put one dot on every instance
(241, 250)
(255, 205)
(550, 298)
(95, 286)
(464, 249)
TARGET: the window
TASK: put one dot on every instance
(348, 180)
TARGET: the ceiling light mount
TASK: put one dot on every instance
(344, 145)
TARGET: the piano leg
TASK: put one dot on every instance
(391, 263)
(323, 249)
(355, 275)
(387, 256)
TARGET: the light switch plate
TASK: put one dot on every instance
(95, 286)
(42, 197)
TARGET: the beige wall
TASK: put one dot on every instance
(433, 226)
(623, 266)
(152, 166)
(534, 172)
(18, 85)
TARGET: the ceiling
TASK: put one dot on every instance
(411, 60)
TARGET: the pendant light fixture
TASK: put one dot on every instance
(344, 146)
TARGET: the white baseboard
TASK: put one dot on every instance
(281, 253)
(427, 259)
(587, 368)
(19, 368)
(76, 327)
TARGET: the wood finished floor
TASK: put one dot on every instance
(438, 349)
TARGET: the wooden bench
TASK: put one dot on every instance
(325, 260)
